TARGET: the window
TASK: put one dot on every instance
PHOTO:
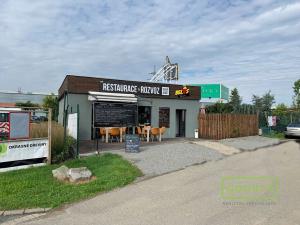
(164, 117)
(3, 117)
(144, 115)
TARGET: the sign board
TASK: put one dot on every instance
(19, 125)
(132, 143)
(271, 121)
(72, 125)
(182, 92)
(115, 114)
(134, 88)
(23, 150)
(84, 85)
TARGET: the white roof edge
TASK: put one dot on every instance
(111, 94)
(26, 93)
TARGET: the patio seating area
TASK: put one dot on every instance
(117, 134)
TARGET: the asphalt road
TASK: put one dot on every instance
(192, 195)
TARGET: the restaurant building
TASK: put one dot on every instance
(114, 103)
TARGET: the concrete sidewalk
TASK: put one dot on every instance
(191, 196)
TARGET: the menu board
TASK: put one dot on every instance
(132, 143)
(164, 117)
(115, 114)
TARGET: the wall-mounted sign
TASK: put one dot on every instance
(115, 114)
(136, 88)
(183, 92)
(84, 85)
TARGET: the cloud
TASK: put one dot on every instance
(251, 45)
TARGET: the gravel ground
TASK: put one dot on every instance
(164, 158)
(250, 143)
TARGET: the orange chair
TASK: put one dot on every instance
(162, 131)
(102, 132)
(114, 133)
(154, 133)
(123, 132)
(141, 133)
(144, 131)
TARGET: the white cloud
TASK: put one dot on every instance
(251, 45)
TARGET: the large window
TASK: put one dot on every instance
(164, 117)
(144, 115)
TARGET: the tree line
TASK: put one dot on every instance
(50, 101)
(260, 104)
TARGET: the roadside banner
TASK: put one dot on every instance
(23, 150)
(271, 121)
(72, 125)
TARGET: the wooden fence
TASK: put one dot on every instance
(220, 126)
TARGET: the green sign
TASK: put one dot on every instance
(3, 149)
(213, 91)
(249, 188)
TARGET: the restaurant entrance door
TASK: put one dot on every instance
(180, 122)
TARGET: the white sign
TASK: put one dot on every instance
(22, 150)
(271, 121)
(134, 88)
(72, 125)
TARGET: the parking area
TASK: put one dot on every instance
(164, 158)
(157, 159)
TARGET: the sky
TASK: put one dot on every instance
(251, 45)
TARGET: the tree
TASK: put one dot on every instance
(257, 102)
(280, 110)
(219, 108)
(264, 103)
(297, 94)
(51, 101)
(267, 101)
(27, 104)
(235, 99)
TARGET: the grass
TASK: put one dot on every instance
(277, 135)
(35, 187)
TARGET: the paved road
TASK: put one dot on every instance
(191, 196)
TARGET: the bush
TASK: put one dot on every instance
(61, 149)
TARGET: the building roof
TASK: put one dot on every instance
(12, 97)
(82, 85)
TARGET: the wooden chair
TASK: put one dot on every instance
(102, 132)
(114, 133)
(154, 133)
(141, 133)
(123, 132)
(144, 131)
(162, 131)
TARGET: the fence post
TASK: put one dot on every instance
(78, 113)
(49, 134)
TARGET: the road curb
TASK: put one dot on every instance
(20, 212)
